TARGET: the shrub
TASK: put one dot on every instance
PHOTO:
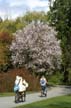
(7, 80)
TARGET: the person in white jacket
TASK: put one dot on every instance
(22, 86)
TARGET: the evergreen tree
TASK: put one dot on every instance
(60, 17)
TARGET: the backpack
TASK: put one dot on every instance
(16, 88)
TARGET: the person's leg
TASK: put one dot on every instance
(45, 91)
(24, 95)
(20, 96)
(16, 96)
(42, 90)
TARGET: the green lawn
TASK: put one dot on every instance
(57, 102)
(12, 93)
(6, 94)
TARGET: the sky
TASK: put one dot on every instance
(13, 8)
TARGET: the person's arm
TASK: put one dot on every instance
(25, 83)
(46, 81)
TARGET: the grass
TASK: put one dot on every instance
(12, 93)
(6, 94)
(57, 102)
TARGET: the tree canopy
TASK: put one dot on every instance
(60, 17)
(36, 47)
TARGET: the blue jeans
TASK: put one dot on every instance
(44, 89)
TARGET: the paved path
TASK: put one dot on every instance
(8, 102)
